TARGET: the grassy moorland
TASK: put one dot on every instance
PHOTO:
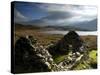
(45, 39)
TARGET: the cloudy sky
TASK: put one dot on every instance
(54, 13)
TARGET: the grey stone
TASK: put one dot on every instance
(70, 42)
(31, 54)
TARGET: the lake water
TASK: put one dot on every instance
(82, 33)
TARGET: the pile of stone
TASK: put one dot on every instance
(32, 56)
(70, 60)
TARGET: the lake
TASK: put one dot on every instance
(82, 33)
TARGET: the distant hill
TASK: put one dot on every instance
(91, 26)
(83, 26)
(64, 28)
(22, 27)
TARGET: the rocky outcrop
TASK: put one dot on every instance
(32, 56)
(70, 42)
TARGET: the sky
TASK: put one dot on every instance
(54, 13)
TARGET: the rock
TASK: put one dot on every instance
(22, 48)
(48, 64)
(78, 54)
(71, 41)
(32, 39)
(29, 53)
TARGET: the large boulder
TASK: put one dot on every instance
(70, 42)
(22, 48)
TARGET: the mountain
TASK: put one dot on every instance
(64, 28)
(82, 26)
(91, 26)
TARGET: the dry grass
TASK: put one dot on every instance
(45, 39)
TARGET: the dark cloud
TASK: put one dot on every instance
(18, 17)
(58, 16)
(47, 13)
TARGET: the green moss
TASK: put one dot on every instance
(59, 58)
(93, 59)
(93, 55)
(89, 63)
(82, 65)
